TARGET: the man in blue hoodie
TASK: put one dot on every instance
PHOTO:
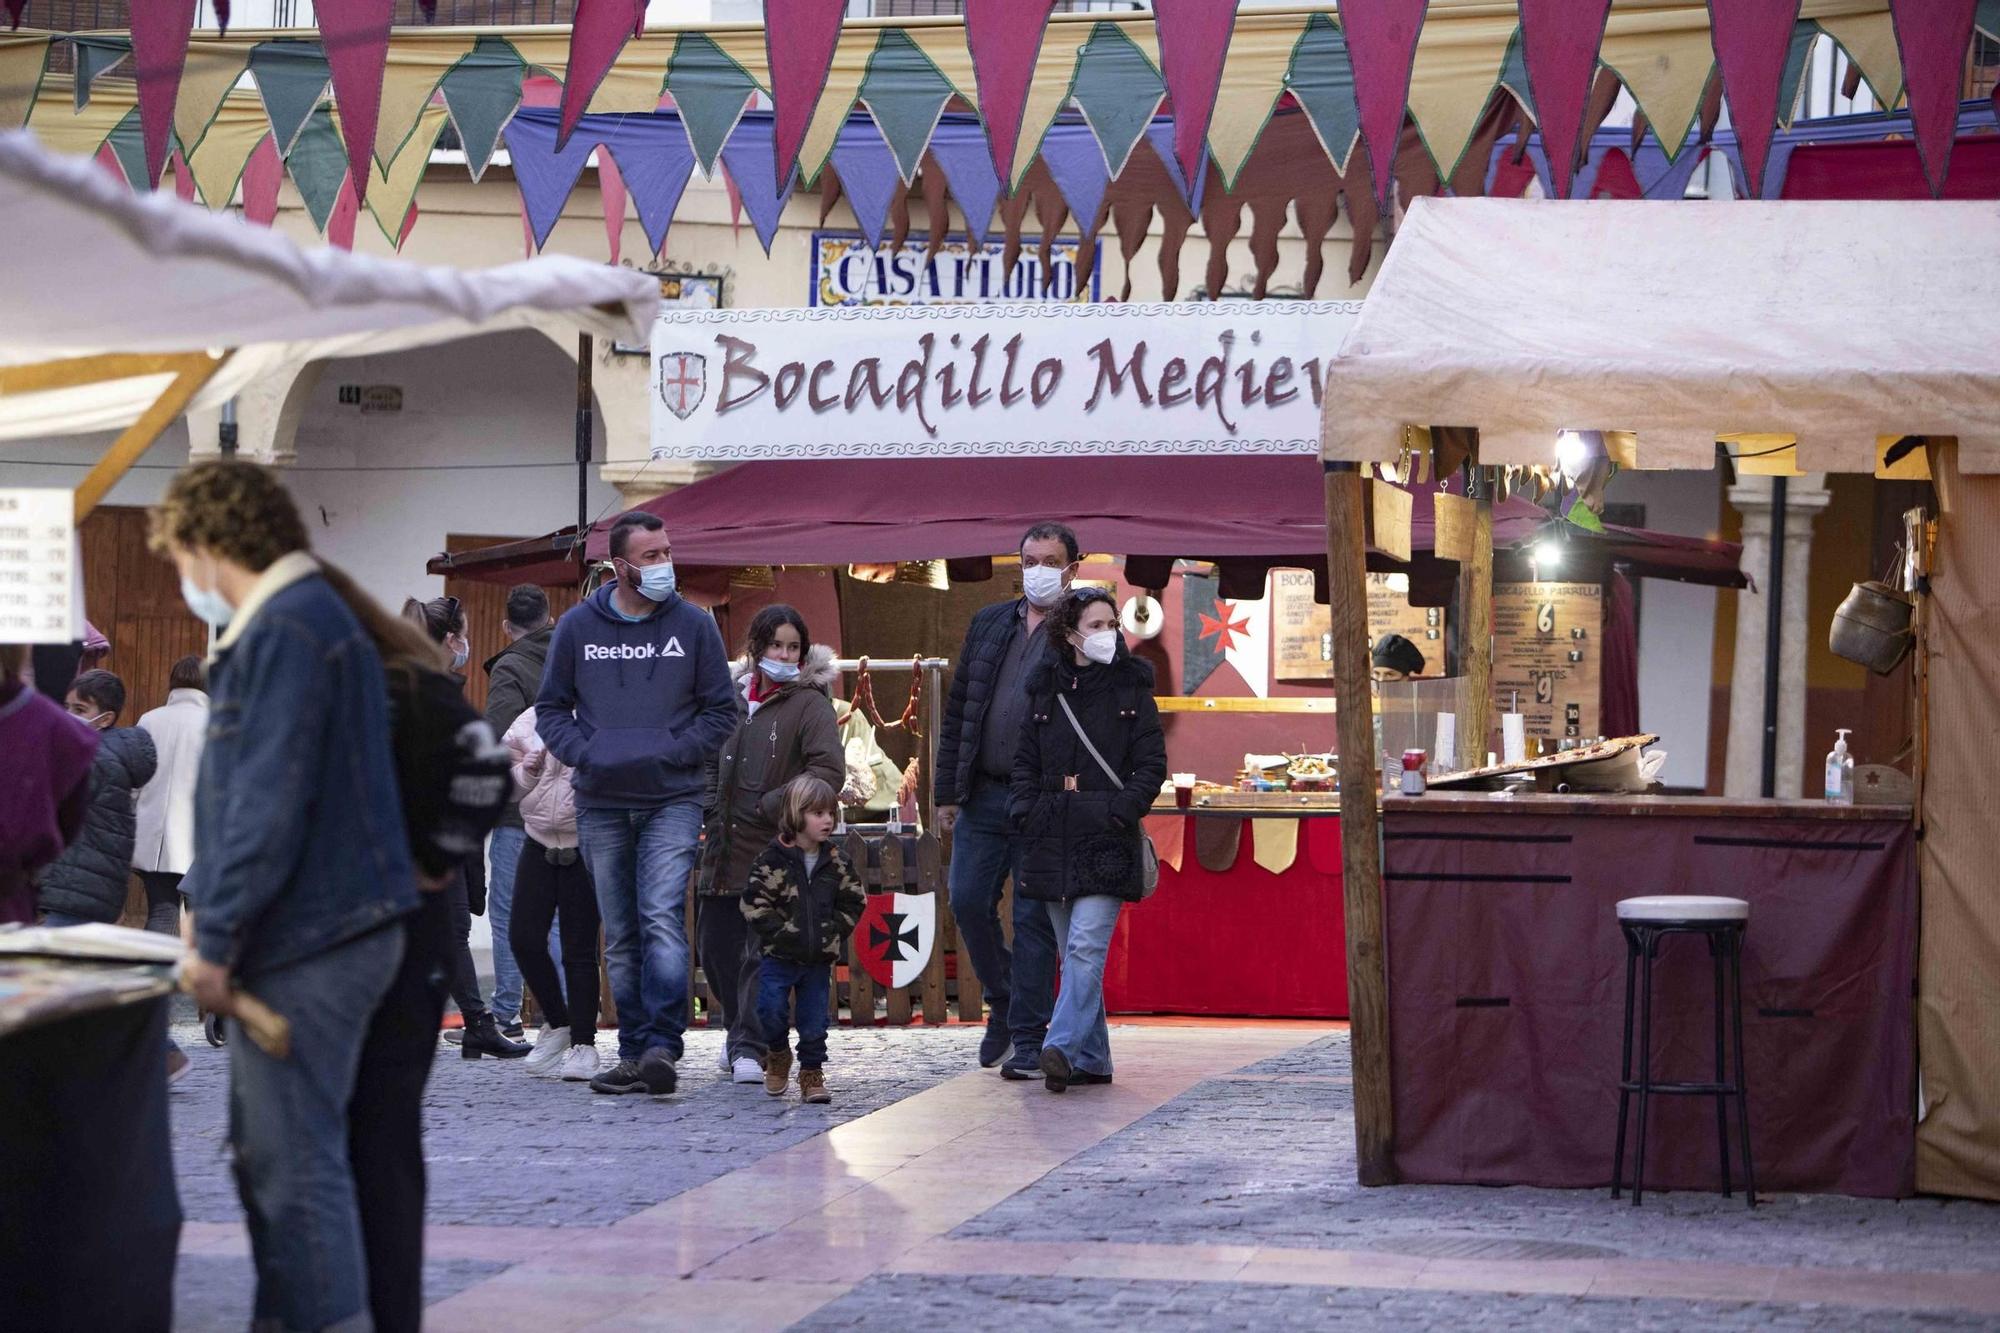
(635, 697)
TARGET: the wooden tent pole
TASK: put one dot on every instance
(1475, 638)
(1360, 826)
(138, 437)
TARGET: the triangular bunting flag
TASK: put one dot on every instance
(481, 92)
(1382, 46)
(14, 8)
(1322, 80)
(1986, 17)
(544, 173)
(160, 31)
(598, 34)
(905, 94)
(1003, 38)
(655, 162)
(1804, 33)
(735, 203)
(967, 162)
(355, 34)
(1118, 91)
(23, 61)
(409, 89)
(1559, 40)
(611, 192)
(1076, 164)
(1161, 137)
(291, 78)
(183, 178)
(1194, 39)
(94, 55)
(1514, 74)
(710, 92)
(346, 211)
(211, 71)
(752, 160)
(799, 64)
(128, 143)
(1933, 37)
(868, 173)
(221, 8)
(393, 192)
(318, 166)
(108, 160)
(1250, 84)
(262, 175)
(1751, 40)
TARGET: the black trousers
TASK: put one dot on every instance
(462, 974)
(730, 955)
(163, 901)
(385, 1119)
(545, 892)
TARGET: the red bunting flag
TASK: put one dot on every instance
(611, 190)
(222, 16)
(346, 212)
(160, 31)
(1382, 45)
(1559, 41)
(183, 178)
(799, 38)
(355, 34)
(598, 34)
(14, 8)
(1752, 39)
(1933, 36)
(1194, 38)
(262, 175)
(1004, 38)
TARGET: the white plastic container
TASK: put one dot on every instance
(1840, 771)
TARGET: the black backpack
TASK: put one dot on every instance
(454, 773)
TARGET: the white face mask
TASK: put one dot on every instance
(1101, 647)
(1042, 585)
(208, 605)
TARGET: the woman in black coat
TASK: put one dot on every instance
(1080, 850)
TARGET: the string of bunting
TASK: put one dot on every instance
(1189, 110)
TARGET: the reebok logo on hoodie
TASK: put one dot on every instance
(595, 652)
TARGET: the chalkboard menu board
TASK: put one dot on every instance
(1548, 649)
(1302, 629)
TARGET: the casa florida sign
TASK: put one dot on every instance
(1242, 377)
(846, 270)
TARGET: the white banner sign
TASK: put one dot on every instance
(1237, 377)
(41, 575)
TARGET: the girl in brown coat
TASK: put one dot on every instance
(783, 684)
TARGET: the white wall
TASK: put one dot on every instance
(1676, 622)
(63, 462)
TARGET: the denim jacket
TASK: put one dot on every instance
(298, 833)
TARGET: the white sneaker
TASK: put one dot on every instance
(551, 1044)
(722, 1062)
(580, 1064)
(746, 1070)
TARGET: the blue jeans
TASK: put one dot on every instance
(503, 859)
(783, 987)
(1018, 987)
(1077, 1027)
(288, 1127)
(640, 861)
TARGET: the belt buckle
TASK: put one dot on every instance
(1069, 782)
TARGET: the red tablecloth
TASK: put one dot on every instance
(1239, 942)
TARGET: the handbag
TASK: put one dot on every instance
(1149, 857)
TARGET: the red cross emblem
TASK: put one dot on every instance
(683, 382)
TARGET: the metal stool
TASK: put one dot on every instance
(1647, 921)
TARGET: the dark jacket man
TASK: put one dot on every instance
(514, 678)
(986, 642)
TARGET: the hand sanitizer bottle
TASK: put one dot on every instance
(1840, 771)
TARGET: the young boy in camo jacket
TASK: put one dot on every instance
(802, 900)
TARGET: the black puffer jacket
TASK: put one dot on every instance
(88, 879)
(1086, 841)
(972, 680)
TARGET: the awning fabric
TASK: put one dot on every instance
(1837, 322)
(1239, 511)
(91, 267)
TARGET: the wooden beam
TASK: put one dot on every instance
(1475, 640)
(41, 376)
(1360, 827)
(140, 435)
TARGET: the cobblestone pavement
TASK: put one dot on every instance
(1266, 1156)
(213, 1291)
(909, 1301)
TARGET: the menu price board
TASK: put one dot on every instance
(41, 570)
(1547, 651)
(1302, 632)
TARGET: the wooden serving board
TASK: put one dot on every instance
(1547, 763)
(1279, 802)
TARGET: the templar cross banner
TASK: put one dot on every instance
(894, 936)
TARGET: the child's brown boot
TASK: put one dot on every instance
(777, 1069)
(812, 1087)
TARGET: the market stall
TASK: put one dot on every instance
(1492, 1058)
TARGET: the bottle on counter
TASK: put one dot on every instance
(1840, 771)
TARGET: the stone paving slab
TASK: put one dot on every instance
(1270, 1161)
(925, 1301)
(214, 1291)
(505, 1148)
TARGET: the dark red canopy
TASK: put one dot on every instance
(1238, 511)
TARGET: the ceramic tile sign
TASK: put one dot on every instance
(1548, 647)
(41, 570)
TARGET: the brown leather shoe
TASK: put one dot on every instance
(812, 1087)
(777, 1071)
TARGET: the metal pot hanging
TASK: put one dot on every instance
(1872, 627)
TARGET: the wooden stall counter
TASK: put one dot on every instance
(1507, 972)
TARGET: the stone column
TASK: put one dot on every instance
(1805, 497)
(268, 410)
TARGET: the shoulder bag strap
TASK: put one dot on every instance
(1084, 736)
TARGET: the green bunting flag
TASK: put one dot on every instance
(710, 91)
(291, 78)
(1514, 73)
(906, 94)
(94, 55)
(1322, 79)
(1804, 33)
(482, 92)
(1117, 90)
(318, 164)
(128, 145)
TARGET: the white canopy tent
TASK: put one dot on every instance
(119, 311)
(1836, 323)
